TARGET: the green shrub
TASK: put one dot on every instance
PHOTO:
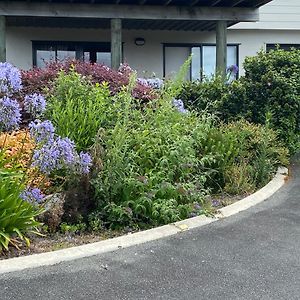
(151, 172)
(226, 100)
(77, 108)
(16, 215)
(271, 86)
(257, 155)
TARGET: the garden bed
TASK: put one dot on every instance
(117, 161)
(57, 241)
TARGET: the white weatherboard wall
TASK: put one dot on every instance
(278, 14)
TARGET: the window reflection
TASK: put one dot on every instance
(65, 54)
(196, 63)
(203, 60)
(44, 56)
(47, 51)
(104, 58)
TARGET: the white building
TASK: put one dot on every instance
(155, 39)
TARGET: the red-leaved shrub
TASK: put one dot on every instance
(40, 80)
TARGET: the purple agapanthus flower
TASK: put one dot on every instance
(32, 195)
(233, 69)
(46, 158)
(58, 154)
(197, 206)
(10, 79)
(10, 114)
(42, 132)
(215, 203)
(85, 162)
(67, 152)
(155, 83)
(35, 104)
(178, 103)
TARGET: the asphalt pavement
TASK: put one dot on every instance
(252, 255)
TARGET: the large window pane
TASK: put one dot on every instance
(65, 54)
(104, 58)
(231, 55)
(86, 56)
(196, 63)
(232, 59)
(175, 57)
(44, 56)
(209, 60)
(45, 51)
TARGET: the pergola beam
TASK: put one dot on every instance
(146, 12)
(237, 2)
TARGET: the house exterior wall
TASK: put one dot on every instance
(146, 59)
(278, 14)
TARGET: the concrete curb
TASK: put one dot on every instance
(55, 257)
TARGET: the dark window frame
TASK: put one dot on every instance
(287, 47)
(200, 45)
(78, 47)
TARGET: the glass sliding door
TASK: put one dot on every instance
(175, 57)
(203, 61)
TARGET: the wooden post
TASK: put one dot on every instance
(2, 39)
(221, 59)
(116, 43)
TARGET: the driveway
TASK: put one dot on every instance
(252, 255)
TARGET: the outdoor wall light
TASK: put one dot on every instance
(139, 41)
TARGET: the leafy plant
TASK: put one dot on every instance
(270, 86)
(77, 108)
(151, 172)
(16, 216)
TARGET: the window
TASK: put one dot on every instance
(203, 59)
(44, 51)
(282, 46)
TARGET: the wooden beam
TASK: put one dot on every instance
(236, 2)
(116, 43)
(194, 2)
(216, 2)
(221, 51)
(146, 12)
(167, 2)
(2, 39)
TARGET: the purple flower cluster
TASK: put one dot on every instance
(197, 208)
(179, 105)
(10, 79)
(41, 131)
(85, 162)
(56, 153)
(215, 203)
(45, 158)
(10, 114)
(32, 195)
(35, 104)
(232, 70)
(155, 83)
